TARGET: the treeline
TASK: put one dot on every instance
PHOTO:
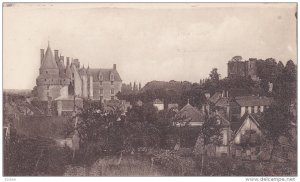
(269, 71)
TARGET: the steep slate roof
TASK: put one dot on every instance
(106, 74)
(222, 102)
(60, 65)
(253, 101)
(34, 109)
(190, 114)
(157, 101)
(214, 99)
(48, 60)
(44, 76)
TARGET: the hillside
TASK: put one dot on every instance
(177, 86)
(21, 92)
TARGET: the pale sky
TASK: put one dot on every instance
(147, 42)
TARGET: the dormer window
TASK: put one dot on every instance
(112, 77)
(100, 77)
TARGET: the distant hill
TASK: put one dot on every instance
(177, 86)
(21, 92)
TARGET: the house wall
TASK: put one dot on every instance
(159, 106)
(243, 111)
(222, 150)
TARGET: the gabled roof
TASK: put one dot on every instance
(48, 60)
(253, 101)
(256, 118)
(215, 97)
(190, 114)
(105, 73)
(224, 121)
(222, 102)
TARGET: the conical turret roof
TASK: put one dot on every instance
(48, 60)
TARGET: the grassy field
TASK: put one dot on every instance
(129, 166)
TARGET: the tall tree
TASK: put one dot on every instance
(210, 134)
(214, 75)
(275, 123)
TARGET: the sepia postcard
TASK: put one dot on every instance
(150, 89)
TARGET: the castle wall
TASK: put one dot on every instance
(106, 86)
(77, 82)
(243, 69)
(91, 87)
(44, 91)
(84, 87)
(64, 91)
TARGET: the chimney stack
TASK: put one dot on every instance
(42, 55)
(68, 61)
(62, 58)
(114, 66)
(56, 55)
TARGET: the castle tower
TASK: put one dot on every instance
(48, 81)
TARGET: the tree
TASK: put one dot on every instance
(214, 75)
(280, 67)
(290, 71)
(210, 134)
(285, 86)
(100, 130)
(275, 123)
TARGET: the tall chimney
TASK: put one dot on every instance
(42, 55)
(62, 58)
(114, 66)
(68, 61)
(56, 55)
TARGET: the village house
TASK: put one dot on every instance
(158, 104)
(190, 116)
(253, 104)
